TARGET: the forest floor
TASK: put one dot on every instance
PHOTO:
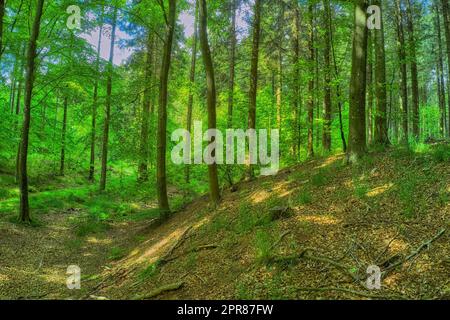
(309, 232)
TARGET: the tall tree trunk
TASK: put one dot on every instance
(338, 87)
(357, 118)
(254, 71)
(370, 82)
(326, 137)
(414, 71)
(381, 127)
(63, 138)
(29, 81)
(311, 81)
(145, 148)
(279, 92)
(211, 98)
(446, 13)
(403, 70)
(2, 15)
(440, 72)
(94, 105)
(192, 83)
(231, 76)
(163, 200)
(107, 120)
(296, 63)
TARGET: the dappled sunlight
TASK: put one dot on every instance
(319, 219)
(153, 253)
(328, 162)
(379, 190)
(94, 240)
(260, 196)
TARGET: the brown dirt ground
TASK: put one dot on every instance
(354, 231)
(352, 228)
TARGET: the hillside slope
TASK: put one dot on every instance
(310, 232)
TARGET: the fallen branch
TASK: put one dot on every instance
(358, 293)
(196, 249)
(280, 239)
(416, 252)
(304, 255)
(160, 290)
(166, 258)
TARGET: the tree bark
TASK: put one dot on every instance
(440, 73)
(24, 215)
(326, 137)
(370, 82)
(107, 120)
(2, 15)
(357, 118)
(163, 200)
(94, 105)
(446, 13)
(403, 70)
(381, 128)
(63, 139)
(338, 88)
(231, 75)
(296, 63)
(414, 71)
(192, 84)
(144, 147)
(254, 72)
(311, 81)
(211, 97)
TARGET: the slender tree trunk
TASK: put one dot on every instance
(381, 128)
(326, 138)
(279, 93)
(231, 63)
(440, 72)
(145, 148)
(94, 106)
(192, 84)
(357, 118)
(2, 14)
(107, 120)
(296, 98)
(338, 87)
(163, 200)
(29, 81)
(370, 82)
(254, 71)
(211, 98)
(311, 81)
(63, 139)
(414, 71)
(446, 13)
(403, 70)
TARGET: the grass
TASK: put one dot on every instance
(304, 198)
(263, 243)
(116, 253)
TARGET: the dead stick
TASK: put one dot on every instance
(160, 290)
(415, 252)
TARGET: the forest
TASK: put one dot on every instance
(333, 183)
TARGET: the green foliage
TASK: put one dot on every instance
(263, 245)
(116, 253)
(304, 197)
(441, 153)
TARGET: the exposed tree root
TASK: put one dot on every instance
(416, 252)
(160, 290)
(358, 293)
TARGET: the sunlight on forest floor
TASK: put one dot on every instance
(358, 216)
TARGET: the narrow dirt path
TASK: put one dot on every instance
(34, 260)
